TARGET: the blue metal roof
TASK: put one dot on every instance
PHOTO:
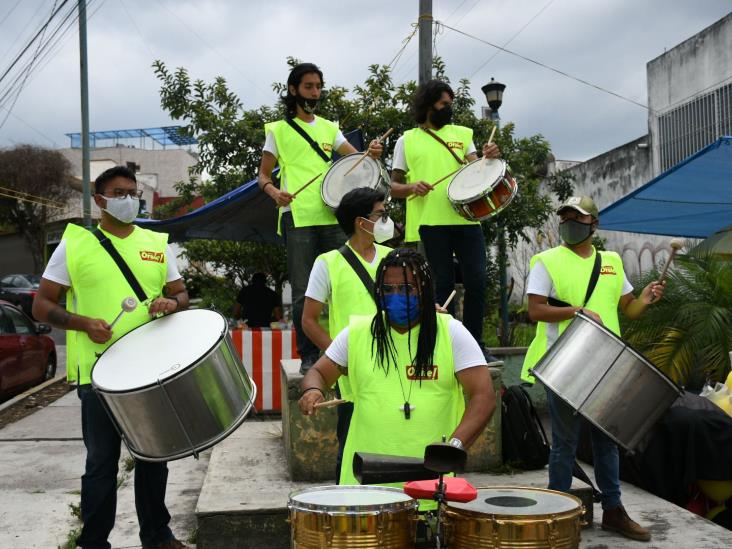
(692, 199)
(165, 135)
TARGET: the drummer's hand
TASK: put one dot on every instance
(375, 149)
(653, 292)
(491, 150)
(420, 188)
(162, 305)
(593, 315)
(98, 330)
(283, 198)
(440, 309)
(308, 401)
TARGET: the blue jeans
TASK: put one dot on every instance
(304, 244)
(468, 245)
(99, 482)
(565, 436)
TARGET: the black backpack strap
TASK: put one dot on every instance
(579, 473)
(307, 138)
(358, 268)
(593, 277)
(533, 412)
(123, 267)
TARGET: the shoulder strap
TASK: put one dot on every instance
(123, 267)
(309, 139)
(358, 268)
(442, 142)
(594, 277)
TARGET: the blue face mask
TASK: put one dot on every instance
(399, 312)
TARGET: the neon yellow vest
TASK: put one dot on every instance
(299, 163)
(99, 287)
(348, 296)
(429, 161)
(378, 424)
(570, 275)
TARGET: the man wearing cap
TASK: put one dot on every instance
(557, 287)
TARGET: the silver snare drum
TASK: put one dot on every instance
(607, 381)
(174, 386)
(369, 173)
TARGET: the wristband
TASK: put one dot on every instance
(312, 389)
(265, 185)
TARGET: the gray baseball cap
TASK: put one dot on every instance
(582, 204)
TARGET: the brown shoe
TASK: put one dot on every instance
(171, 544)
(617, 520)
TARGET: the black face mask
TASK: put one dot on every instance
(441, 117)
(308, 105)
(573, 231)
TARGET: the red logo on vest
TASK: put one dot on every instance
(157, 257)
(430, 375)
(608, 270)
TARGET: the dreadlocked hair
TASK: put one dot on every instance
(382, 345)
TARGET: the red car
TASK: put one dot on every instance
(27, 355)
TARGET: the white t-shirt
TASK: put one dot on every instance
(270, 146)
(466, 351)
(399, 161)
(540, 283)
(57, 269)
(319, 287)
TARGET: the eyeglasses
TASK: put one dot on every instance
(121, 193)
(403, 289)
(383, 215)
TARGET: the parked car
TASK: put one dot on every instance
(20, 289)
(27, 354)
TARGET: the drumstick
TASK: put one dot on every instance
(676, 244)
(490, 140)
(365, 154)
(449, 299)
(438, 181)
(306, 185)
(329, 403)
(129, 304)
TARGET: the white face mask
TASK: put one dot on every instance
(124, 209)
(383, 230)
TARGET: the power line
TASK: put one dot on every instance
(539, 63)
(144, 42)
(16, 38)
(39, 132)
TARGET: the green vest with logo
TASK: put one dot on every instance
(98, 287)
(378, 424)
(299, 163)
(429, 161)
(348, 295)
(570, 274)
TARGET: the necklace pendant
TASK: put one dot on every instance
(407, 410)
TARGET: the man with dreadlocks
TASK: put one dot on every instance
(408, 368)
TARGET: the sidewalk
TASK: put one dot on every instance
(41, 463)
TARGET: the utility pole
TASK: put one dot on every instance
(425, 40)
(84, 75)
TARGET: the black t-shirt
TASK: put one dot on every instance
(257, 304)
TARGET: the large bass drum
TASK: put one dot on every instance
(611, 384)
(174, 386)
(369, 173)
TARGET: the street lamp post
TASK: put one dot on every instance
(494, 96)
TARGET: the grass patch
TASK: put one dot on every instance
(75, 510)
(129, 464)
(70, 542)
(192, 537)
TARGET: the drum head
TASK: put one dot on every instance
(159, 349)
(475, 180)
(336, 184)
(519, 501)
(350, 498)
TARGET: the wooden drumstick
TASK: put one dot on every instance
(490, 140)
(676, 244)
(449, 299)
(366, 153)
(438, 182)
(301, 189)
(329, 403)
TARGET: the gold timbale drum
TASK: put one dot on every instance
(363, 517)
(512, 517)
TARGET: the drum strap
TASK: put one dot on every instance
(594, 277)
(126, 271)
(358, 268)
(441, 141)
(309, 139)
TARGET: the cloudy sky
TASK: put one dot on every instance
(606, 42)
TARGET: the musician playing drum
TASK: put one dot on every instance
(96, 287)
(408, 368)
(303, 144)
(423, 155)
(557, 287)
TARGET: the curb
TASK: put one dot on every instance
(33, 390)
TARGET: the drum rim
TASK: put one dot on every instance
(468, 165)
(204, 355)
(380, 165)
(407, 504)
(580, 506)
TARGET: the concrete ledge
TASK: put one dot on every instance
(33, 390)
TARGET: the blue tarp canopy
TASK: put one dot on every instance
(692, 199)
(244, 214)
